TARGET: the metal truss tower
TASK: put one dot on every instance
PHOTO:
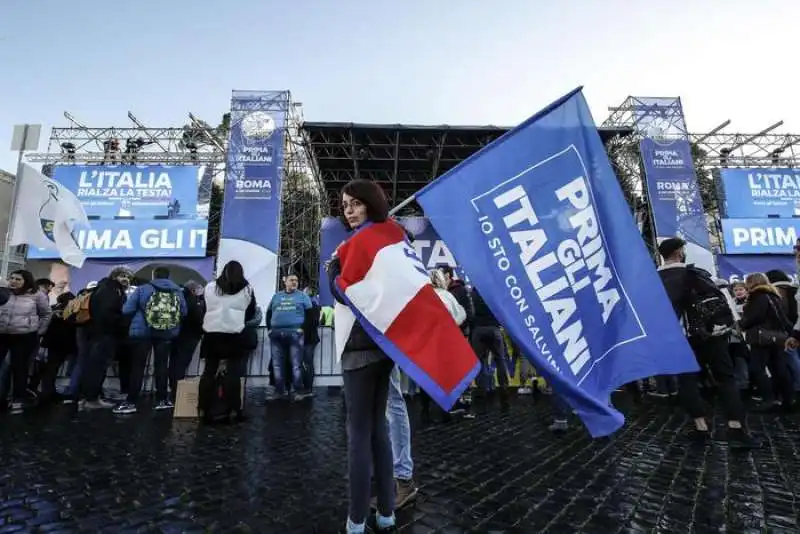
(302, 199)
(196, 143)
(711, 152)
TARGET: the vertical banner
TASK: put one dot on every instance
(672, 187)
(250, 232)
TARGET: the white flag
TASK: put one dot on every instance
(46, 215)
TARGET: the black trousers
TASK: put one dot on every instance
(141, 352)
(124, 357)
(20, 348)
(369, 449)
(775, 359)
(714, 354)
(55, 359)
(102, 348)
(180, 357)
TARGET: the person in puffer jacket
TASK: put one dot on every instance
(22, 320)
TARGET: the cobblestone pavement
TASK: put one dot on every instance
(284, 471)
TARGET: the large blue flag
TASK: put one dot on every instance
(538, 222)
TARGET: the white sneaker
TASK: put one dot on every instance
(125, 408)
(524, 391)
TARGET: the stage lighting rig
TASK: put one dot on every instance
(68, 149)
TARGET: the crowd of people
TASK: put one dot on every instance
(745, 337)
(156, 323)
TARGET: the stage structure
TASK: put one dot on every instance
(401, 158)
(198, 143)
(711, 151)
(302, 203)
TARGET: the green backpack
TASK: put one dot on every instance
(163, 310)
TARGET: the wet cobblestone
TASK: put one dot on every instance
(284, 471)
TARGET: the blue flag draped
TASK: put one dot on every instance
(538, 222)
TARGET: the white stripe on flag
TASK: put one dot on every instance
(388, 286)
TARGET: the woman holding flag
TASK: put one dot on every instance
(366, 371)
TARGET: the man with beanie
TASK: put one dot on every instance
(708, 330)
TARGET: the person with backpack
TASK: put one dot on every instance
(189, 337)
(708, 320)
(157, 309)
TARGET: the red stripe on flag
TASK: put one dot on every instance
(358, 252)
(427, 334)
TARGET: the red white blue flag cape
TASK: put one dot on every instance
(387, 289)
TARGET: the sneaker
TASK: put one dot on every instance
(106, 403)
(125, 408)
(469, 415)
(16, 407)
(163, 405)
(558, 427)
(94, 405)
(658, 394)
(68, 400)
(525, 391)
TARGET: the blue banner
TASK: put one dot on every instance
(432, 250)
(133, 191)
(759, 236)
(538, 222)
(734, 268)
(676, 204)
(761, 193)
(251, 210)
(137, 238)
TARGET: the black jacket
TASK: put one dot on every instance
(788, 294)
(192, 325)
(676, 282)
(311, 325)
(359, 340)
(105, 307)
(764, 309)
(483, 316)
(60, 334)
(461, 293)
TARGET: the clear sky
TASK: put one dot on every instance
(414, 61)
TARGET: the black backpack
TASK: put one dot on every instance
(706, 306)
(219, 397)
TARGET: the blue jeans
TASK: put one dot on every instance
(82, 339)
(287, 348)
(399, 428)
(793, 359)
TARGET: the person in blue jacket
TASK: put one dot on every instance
(157, 308)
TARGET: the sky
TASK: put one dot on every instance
(416, 62)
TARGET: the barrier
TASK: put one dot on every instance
(328, 370)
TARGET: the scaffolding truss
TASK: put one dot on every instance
(402, 159)
(717, 148)
(198, 143)
(301, 204)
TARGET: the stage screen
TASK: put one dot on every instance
(136, 211)
(760, 193)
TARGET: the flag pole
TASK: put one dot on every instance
(13, 215)
(403, 204)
